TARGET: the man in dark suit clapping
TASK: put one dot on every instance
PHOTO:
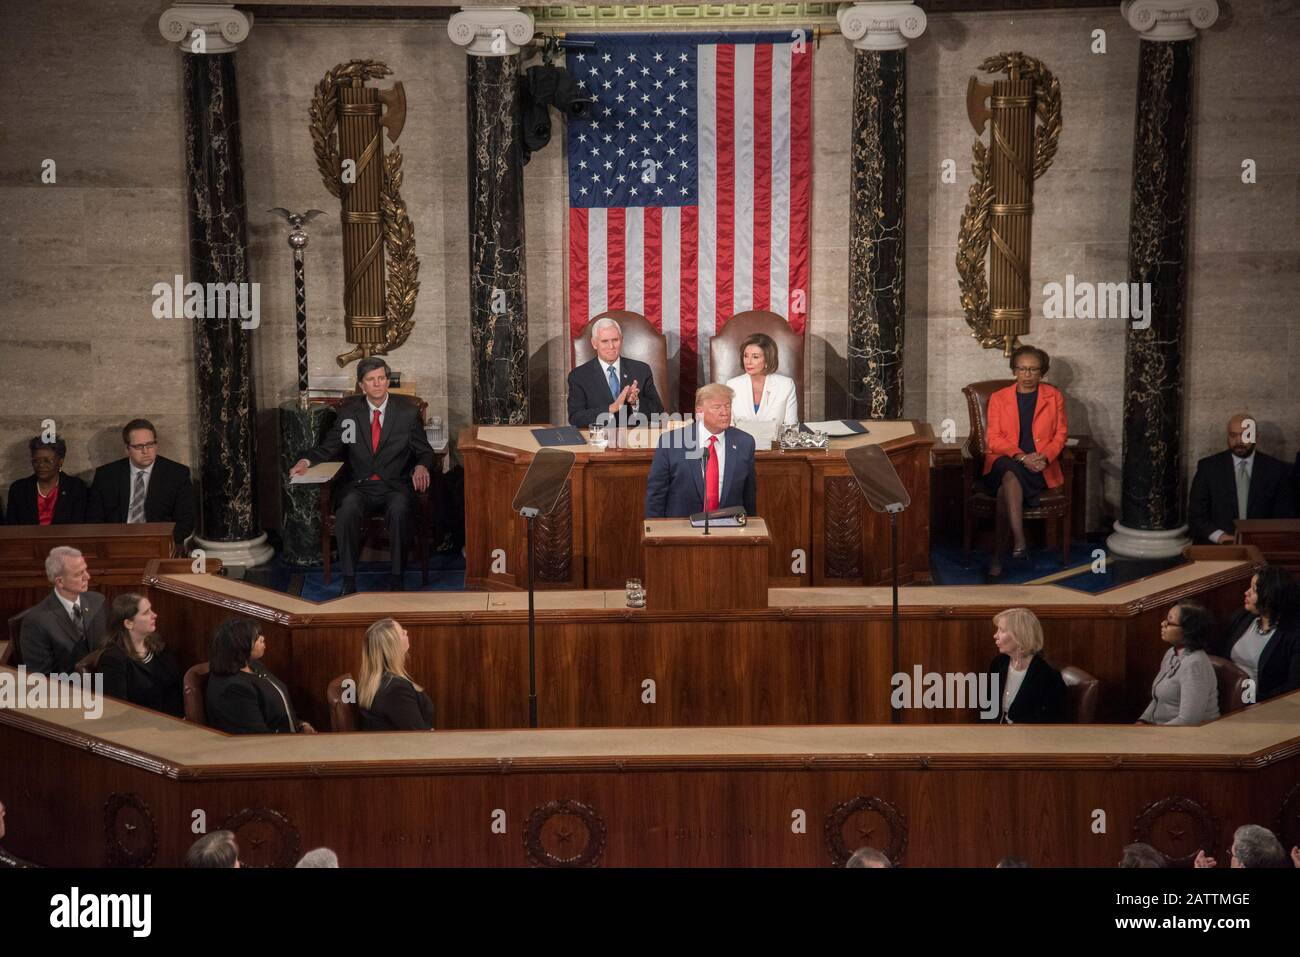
(1239, 482)
(144, 486)
(69, 623)
(707, 464)
(610, 385)
(387, 455)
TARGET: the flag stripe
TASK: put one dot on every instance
(598, 295)
(800, 188)
(705, 264)
(671, 291)
(654, 266)
(762, 155)
(634, 265)
(724, 196)
(691, 292)
(616, 240)
(743, 214)
(578, 314)
(779, 295)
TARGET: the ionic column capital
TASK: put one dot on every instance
(205, 27)
(490, 31)
(1164, 20)
(881, 26)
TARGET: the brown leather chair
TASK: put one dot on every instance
(374, 526)
(1232, 684)
(13, 656)
(343, 716)
(641, 341)
(724, 348)
(6, 651)
(1082, 691)
(195, 688)
(1053, 504)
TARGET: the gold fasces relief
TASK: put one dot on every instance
(1024, 114)
(381, 271)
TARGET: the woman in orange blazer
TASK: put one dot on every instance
(1027, 432)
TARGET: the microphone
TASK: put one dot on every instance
(707, 452)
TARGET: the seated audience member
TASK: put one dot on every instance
(1026, 435)
(243, 697)
(69, 623)
(1030, 690)
(1012, 862)
(1142, 855)
(1186, 690)
(217, 849)
(144, 486)
(389, 700)
(135, 664)
(47, 496)
(320, 857)
(1263, 638)
(761, 394)
(610, 385)
(682, 482)
(1239, 482)
(1252, 846)
(868, 857)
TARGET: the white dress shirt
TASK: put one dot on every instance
(1250, 468)
(68, 605)
(382, 409)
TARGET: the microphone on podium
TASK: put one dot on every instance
(707, 451)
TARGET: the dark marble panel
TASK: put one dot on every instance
(219, 254)
(300, 430)
(876, 241)
(498, 301)
(1151, 495)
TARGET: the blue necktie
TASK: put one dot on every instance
(613, 384)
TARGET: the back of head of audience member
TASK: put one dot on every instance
(868, 857)
(217, 849)
(232, 646)
(1142, 855)
(320, 857)
(1013, 862)
(1255, 846)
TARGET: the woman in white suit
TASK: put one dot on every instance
(761, 394)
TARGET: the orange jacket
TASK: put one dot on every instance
(1049, 429)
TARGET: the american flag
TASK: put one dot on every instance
(690, 184)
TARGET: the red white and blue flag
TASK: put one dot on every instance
(690, 185)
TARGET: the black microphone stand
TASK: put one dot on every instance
(706, 490)
(530, 514)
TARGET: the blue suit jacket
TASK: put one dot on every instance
(675, 488)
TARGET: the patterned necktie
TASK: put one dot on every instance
(79, 619)
(614, 390)
(135, 513)
(374, 439)
(1243, 488)
(711, 476)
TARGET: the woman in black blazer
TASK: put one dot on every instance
(1263, 638)
(135, 664)
(242, 696)
(47, 496)
(1030, 691)
(389, 699)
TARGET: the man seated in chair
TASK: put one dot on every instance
(1239, 482)
(611, 385)
(707, 464)
(388, 455)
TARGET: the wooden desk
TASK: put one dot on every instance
(702, 797)
(813, 656)
(823, 533)
(687, 570)
(1278, 540)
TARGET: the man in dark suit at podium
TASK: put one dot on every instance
(1239, 482)
(144, 486)
(388, 454)
(611, 384)
(706, 464)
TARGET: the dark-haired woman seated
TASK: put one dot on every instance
(1026, 435)
(389, 699)
(1263, 639)
(135, 664)
(243, 697)
(47, 496)
(1186, 690)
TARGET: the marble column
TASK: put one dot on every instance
(497, 289)
(1152, 498)
(206, 35)
(878, 177)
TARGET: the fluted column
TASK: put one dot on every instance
(1152, 502)
(206, 35)
(878, 178)
(497, 289)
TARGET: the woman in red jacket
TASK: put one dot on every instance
(1027, 432)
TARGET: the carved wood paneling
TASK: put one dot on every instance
(842, 545)
(866, 822)
(266, 837)
(132, 838)
(1177, 827)
(553, 536)
(564, 834)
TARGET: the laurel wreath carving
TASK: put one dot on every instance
(973, 236)
(402, 283)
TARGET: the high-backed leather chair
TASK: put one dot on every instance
(1082, 691)
(724, 348)
(374, 526)
(1232, 684)
(641, 341)
(343, 716)
(194, 691)
(13, 656)
(1053, 504)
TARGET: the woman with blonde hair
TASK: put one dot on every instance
(1030, 691)
(388, 697)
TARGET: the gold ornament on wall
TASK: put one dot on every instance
(999, 211)
(347, 126)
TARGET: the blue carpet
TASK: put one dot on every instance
(949, 567)
(446, 573)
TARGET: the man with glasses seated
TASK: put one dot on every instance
(144, 486)
(69, 623)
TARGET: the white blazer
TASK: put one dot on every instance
(780, 404)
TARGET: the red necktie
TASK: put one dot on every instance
(374, 439)
(711, 476)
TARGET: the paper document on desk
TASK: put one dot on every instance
(836, 428)
(317, 474)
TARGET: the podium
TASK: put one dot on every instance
(686, 570)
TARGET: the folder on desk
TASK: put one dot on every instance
(565, 435)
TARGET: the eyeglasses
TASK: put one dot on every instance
(144, 446)
(1029, 370)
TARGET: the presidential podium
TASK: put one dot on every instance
(687, 570)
